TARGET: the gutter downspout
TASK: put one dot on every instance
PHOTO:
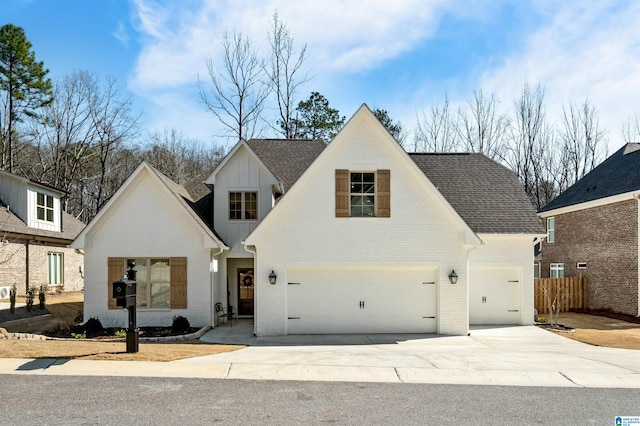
(253, 251)
(213, 284)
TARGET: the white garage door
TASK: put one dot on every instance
(494, 295)
(327, 301)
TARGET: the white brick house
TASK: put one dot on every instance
(361, 236)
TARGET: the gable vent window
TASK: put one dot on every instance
(44, 205)
(363, 193)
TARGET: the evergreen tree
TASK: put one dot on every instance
(316, 120)
(24, 87)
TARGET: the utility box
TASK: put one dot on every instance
(124, 292)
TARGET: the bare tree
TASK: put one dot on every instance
(64, 138)
(114, 123)
(481, 127)
(435, 132)
(583, 143)
(179, 158)
(283, 72)
(530, 154)
(236, 95)
(631, 129)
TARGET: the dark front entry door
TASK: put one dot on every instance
(245, 291)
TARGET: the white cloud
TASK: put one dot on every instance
(586, 50)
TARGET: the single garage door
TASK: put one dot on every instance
(328, 301)
(494, 295)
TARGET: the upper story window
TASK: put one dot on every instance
(551, 229)
(243, 205)
(44, 206)
(363, 193)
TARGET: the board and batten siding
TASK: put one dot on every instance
(242, 173)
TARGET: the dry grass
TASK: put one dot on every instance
(64, 308)
(601, 331)
(115, 351)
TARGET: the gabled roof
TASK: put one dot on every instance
(618, 174)
(10, 223)
(487, 195)
(180, 193)
(287, 159)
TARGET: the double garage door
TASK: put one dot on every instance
(353, 300)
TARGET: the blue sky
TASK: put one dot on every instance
(402, 56)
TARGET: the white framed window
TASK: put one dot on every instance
(44, 207)
(243, 205)
(153, 282)
(55, 268)
(551, 229)
(362, 194)
(536, 270)
(556, 270)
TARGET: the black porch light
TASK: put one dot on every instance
(272, 278)
(453, 277)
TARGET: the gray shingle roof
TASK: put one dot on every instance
(287, 159)
(487, 195)
(10, 223)
(618, 174)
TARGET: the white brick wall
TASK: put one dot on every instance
(147, 222)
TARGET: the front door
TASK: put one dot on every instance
(245, 291)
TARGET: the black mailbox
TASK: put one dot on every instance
(125, 293)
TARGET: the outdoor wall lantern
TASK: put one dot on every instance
(272, 277)
(453, 277)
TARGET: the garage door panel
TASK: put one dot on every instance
(494, 295)
(361, 301)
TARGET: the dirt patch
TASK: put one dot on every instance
(601, 331)
(61, 312)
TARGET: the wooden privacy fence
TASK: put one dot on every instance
(572, 293)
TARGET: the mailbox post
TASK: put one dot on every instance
(124, 292)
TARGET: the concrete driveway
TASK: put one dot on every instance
(509, 356)
(526, 356)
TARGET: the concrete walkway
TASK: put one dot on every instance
(512, 356)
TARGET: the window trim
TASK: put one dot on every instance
(45, 208)
(558, 268)
(551, 230)
(243, 205)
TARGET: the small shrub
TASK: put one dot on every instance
(82, 335)
(180, 325)
(542, 319)
(31, 294)
(12, 299)
(120, 333)
(93, 327)
(42, 297)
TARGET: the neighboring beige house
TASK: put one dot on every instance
(34, 238)
(592, 230)
(356, 236)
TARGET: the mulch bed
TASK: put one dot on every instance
(555, 327)
(609, 314)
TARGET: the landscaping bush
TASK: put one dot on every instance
(180, 325)
(93, 327)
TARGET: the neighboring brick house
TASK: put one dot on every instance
(34, 238)
(592, 230)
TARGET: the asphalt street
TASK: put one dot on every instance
(31, 400)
